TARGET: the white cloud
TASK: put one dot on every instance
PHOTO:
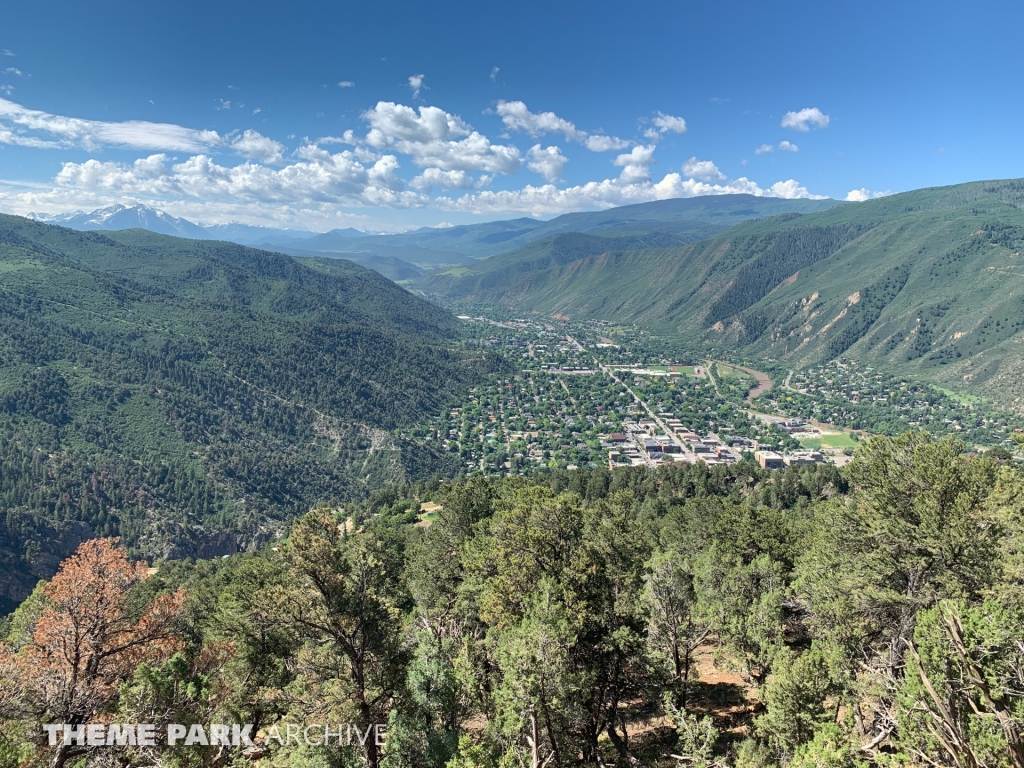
(639, 155)
(7, 52)
(257, 110)
(346, 84)
(601, 143)
(416, 83)
(254, 146)
(517, 117)
(93, 134)
(548, 162)
(548, 199)
(669, 124)
(636, 164)
(432, 177)
(13, 71)
(805, 119)
(224, 104)
(862, 194)
(319, 177)
(315, 183)
(435, 138)
(494, 74)
(705, 170)
(8, 136)
(784, 146)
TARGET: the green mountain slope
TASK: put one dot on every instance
(508, 268)
(688, 218)
(928, 282)
(186, 394)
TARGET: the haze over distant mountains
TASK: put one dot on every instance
(118, 217)
(411, 254)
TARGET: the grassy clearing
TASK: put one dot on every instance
(960, 397)
(842, 440)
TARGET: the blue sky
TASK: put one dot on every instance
(387, 116)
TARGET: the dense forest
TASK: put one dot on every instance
(189, 395)
(725, 616)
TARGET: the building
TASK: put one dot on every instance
(770, 460)
(804, 458)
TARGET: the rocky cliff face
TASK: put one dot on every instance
(24, 561)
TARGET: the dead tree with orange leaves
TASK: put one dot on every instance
(86, 643)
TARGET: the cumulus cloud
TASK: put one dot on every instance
(862, 194)
(346, 84)
(448, 152)
(416, 83)
(435, 138)
(517, 117)
(432, 177)
(13, 71)
(763, 149)
(69, 132)
(636, 164)
(601, 143)
(805, 119)
(548, 199)
(669, 124)
(224, 104)
(254, 146)
(494, 74)
(548, 162)
(705, 170)
(788, 146)
(639, 155)
(319, 177)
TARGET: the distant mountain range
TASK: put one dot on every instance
(927, 283)
(409, 255)
(118, 217)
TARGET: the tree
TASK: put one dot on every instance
(674, 630)
(800, 696)
(539, 690)
(345, 600)
(86, 642)
(697, 737)
(961, 702)
(743, 603)
(919, 527)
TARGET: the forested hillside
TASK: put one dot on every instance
(928, 283)
(189, 395)
(724, 617)
(513, 267)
